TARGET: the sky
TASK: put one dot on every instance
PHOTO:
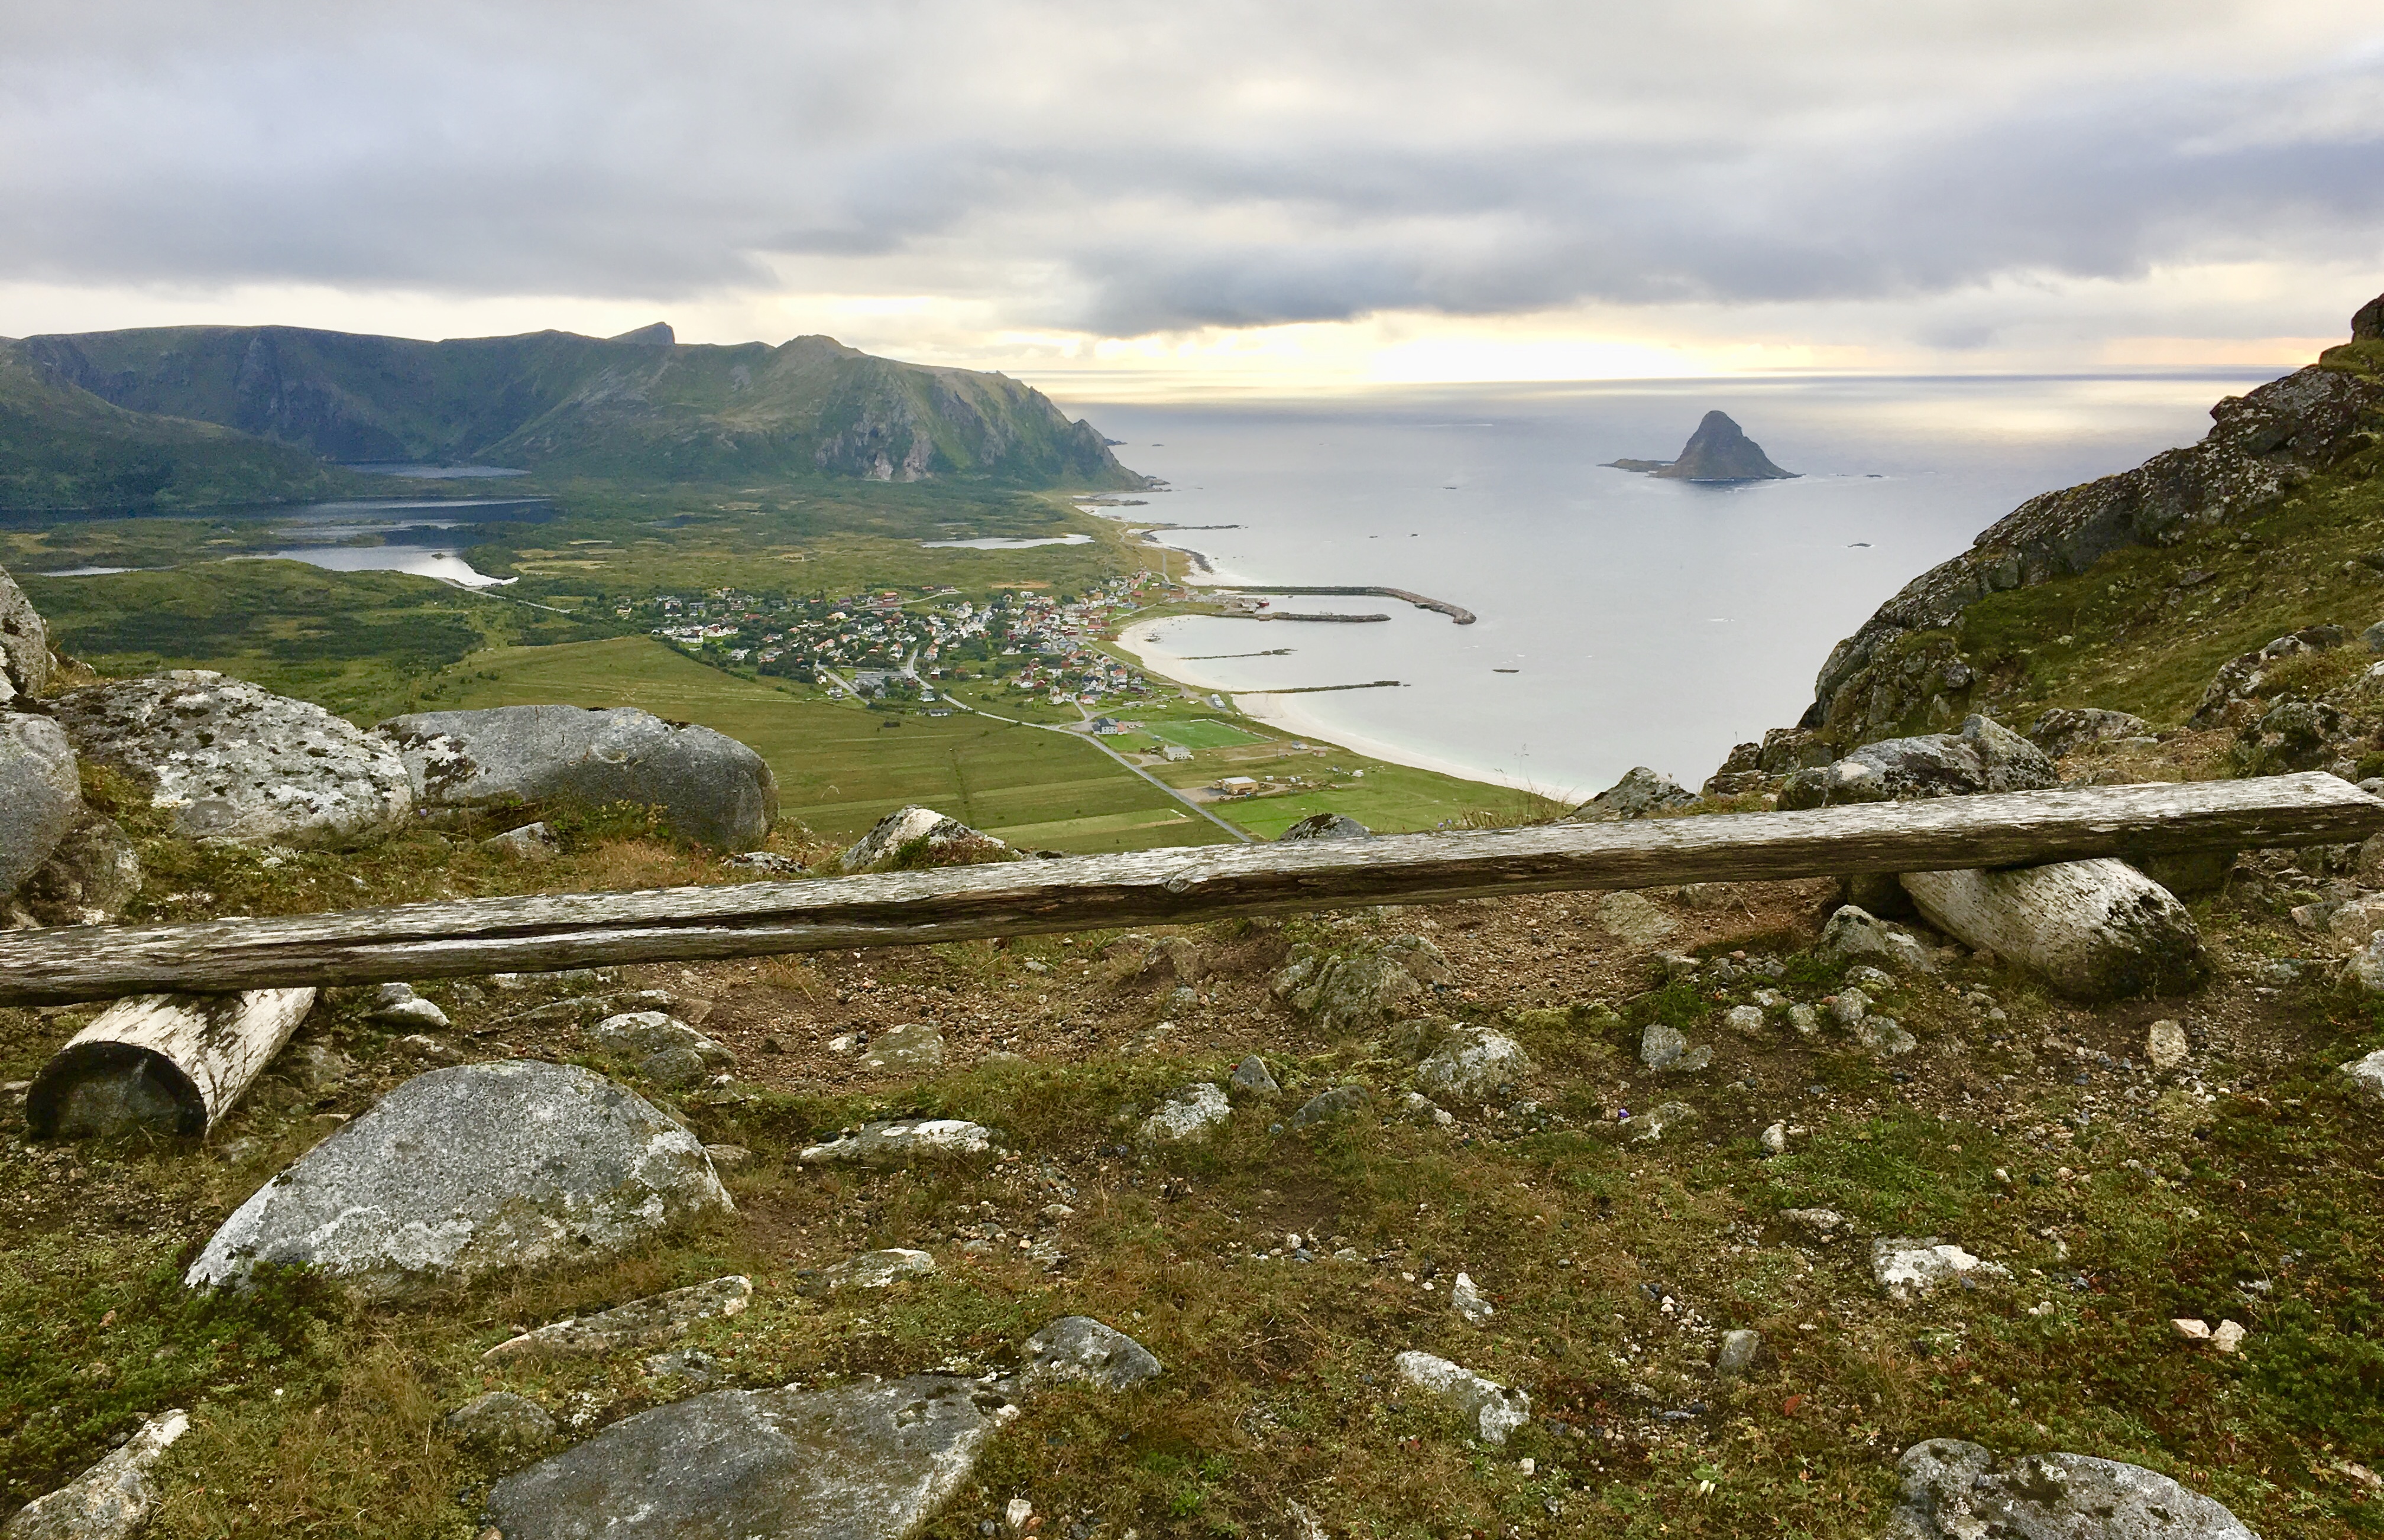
(1127, 198)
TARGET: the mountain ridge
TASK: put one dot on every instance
(640, 405)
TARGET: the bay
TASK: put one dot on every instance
(1645, 621)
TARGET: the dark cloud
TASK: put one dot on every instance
(1126, 167)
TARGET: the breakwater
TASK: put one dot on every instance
(1456, 612)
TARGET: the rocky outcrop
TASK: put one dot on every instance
(2263, 445)
(1326, 826)
(464, 1171)
(1078, 1348)
(2066, 729)
(920, 837)
(1959, 1491)
(906, 1142)
(241, 764)
(710, 787)
(1721, 451)
(1984, 756)
(41, 794)
(665, 1050)
(1362, 988)
(1489, 1410)
(638, 1323)
(1639, 793)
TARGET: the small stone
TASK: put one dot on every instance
(1854, 936)
(1471, 1063)
(1664, 1048)
(1077, 1348)
(501, 1423)
(2190, 1329)
(639, 1322)
(1671, 1114)
(532, 842)
(2165, 1044)
(1746, 1019)
(912, 1048)
(1774, 1140)
(1491, 1410)
(1883, 1037)
(1907, 1268)
(2367, 1074)
(872, 1270)
(1189, 1113)
(905, 1141)
(1330, 1106)
(1635, 920)
(432, 1048)
(1848, 1006)
(664, 1049)
(1251, 1077)
(1737, 1355)
(688, 1366)
(1821, 1222)
(2228, 1337)
(1467, 1301)
(1015, 1515)
(1805, 1021)
(411, 1012)
(729, 1157)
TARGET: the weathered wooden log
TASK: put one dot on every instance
(544, 932)
(172, 1063)
(2094, 930)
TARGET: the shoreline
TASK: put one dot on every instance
(1282, 712)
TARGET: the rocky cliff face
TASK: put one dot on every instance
(2264, 445)
(638, 404)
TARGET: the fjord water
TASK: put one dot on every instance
(1647, 622)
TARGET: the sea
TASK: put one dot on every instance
(1621, 620)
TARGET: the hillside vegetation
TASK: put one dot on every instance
(640, 407)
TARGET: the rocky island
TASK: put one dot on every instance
(1718, 451)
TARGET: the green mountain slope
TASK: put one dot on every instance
(636, 407)
(63, 447)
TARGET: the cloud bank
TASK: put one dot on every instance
(1125, 168)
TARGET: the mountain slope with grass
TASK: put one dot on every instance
(62, 447)
(641, 407)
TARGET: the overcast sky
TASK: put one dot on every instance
(1322, 191)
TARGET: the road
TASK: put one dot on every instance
(1078, 733)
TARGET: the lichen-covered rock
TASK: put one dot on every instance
(463, 1171)
(1905, 1267)
(1331, 1106)
(241, 764)
(112, 1500)
(1081, 1349)
(90, 876)
(503, 1424)
(41, 794)
(1326, 826)
(2243, 677)
(1853, 936)
(2291, 736)
(1958, 1491)
(2094, 930)
(912, 1048)
(1664, 1048)
(906, 1142)
(865, 1460)
(1252, 1078)
(1470, 1063)
(920, 837)
(2066, 729)
(872, 1270)
(665, 1050)
(531, 842)
(1187, 1114)
(1983, 756)
(2368, 1073)
(1639, 793)
(709, 787)
(1491, 1410)
(638, 1323)
(1635, 920)
(25, 661)
(1362, 988)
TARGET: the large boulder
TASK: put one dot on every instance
(114, 1500)
(915, 835)
(1984, 756)
(710, 787)
(864, 1460)
(25, 661)
(41, 794)
(464, 1171)
(241, 764)
(1958, 1491)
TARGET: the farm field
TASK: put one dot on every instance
(840, 766)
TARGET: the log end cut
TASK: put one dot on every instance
(98, 1090)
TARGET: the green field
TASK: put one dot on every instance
(842, 768)
(1202, 733)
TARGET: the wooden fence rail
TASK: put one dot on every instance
(479, 936)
